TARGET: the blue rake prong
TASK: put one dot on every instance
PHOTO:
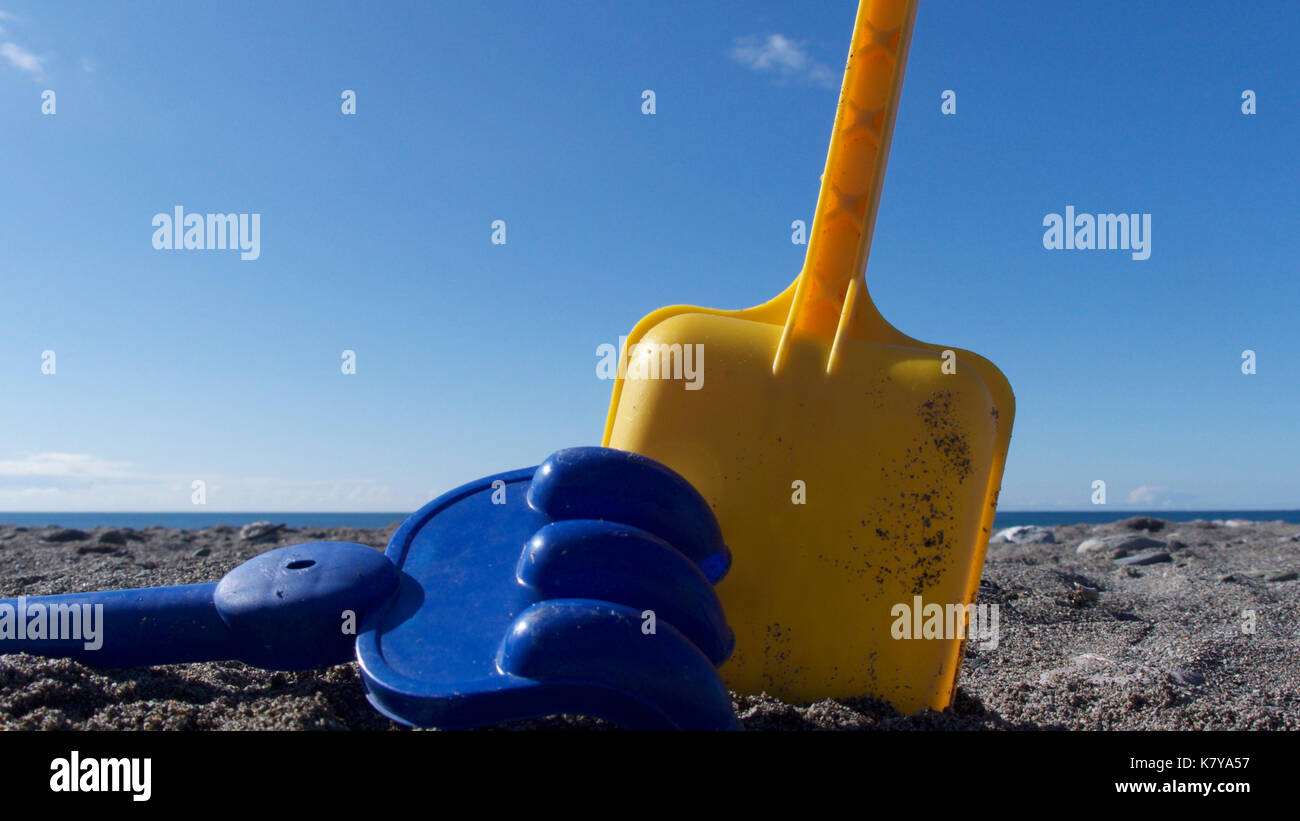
(584, 558)
(604, 654)
(603, 483)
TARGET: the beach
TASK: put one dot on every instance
(1138, 624)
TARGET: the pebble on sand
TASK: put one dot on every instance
(1142, 523)
(1187, 677)
(1154, 557)
(1119, 543)
(64, 534)
(1026, 534)
(259, 531)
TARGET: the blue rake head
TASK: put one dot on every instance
(583, 586)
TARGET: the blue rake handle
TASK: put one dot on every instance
(292, 608)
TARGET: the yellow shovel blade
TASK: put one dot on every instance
(854, 470)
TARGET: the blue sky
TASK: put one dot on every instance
(472, 358)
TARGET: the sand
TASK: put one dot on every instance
(1085, 643)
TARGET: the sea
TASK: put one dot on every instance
(197, 521)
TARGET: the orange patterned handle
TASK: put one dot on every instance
(855, 167)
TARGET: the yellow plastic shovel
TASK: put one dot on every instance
(854, 470)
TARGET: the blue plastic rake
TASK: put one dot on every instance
(583, 586)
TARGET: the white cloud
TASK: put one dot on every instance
(18, 56)
(1153, 496)
(1145, 495)
(78, 481)
(778, 54)
(87, 65)
(22, 59)
(62, 467)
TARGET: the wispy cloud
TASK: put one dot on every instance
(1145, 495)
(62, 467)
(18, 56)
(779, 55)
(22, 59)
(1153, 496)
(79, 481)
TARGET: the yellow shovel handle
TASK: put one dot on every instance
(855, 168)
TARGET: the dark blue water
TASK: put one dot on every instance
(194, 521)
(1047, 518)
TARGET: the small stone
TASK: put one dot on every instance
(259, 531)
(1284, 576)
(112, 537)
(1143, 523)
(1154, 557)
(1190, 678)
(65, 534)
(1082, 594)
(1119, 542)
(97, 548)
(1026, 534)
(1228, 577)
(201, 552)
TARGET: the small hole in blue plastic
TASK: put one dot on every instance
(300, 564)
